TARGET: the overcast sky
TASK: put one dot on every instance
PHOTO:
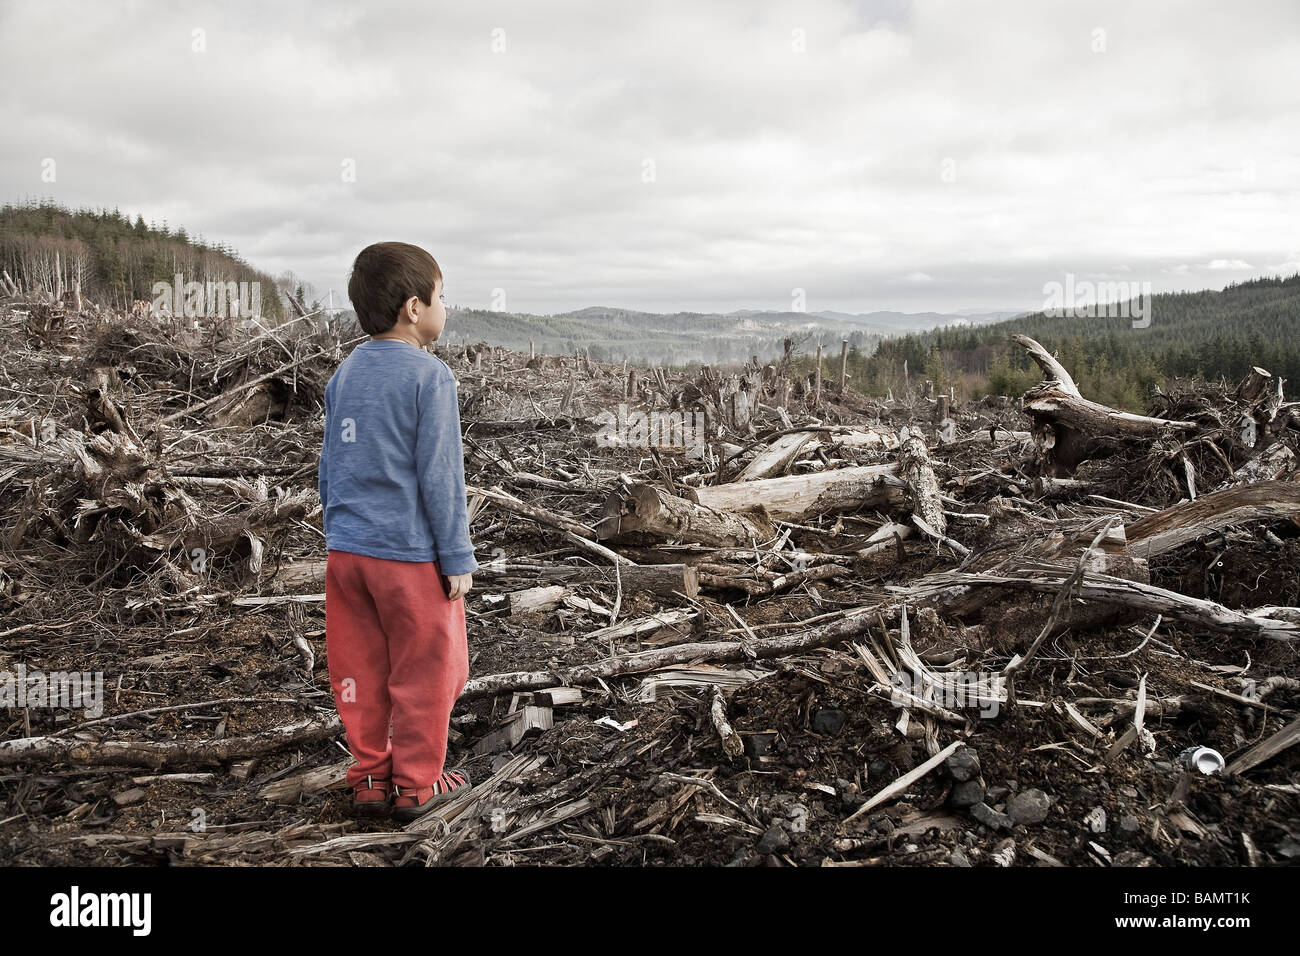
(877, 154)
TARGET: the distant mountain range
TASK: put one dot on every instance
(887, 323)
(613, 334)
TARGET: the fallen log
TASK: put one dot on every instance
(804, 496)
(164, 753)
(1074, 429)
(777, 457)
(665, 580)
(951, 588)
(647, 509)
(922, 486)
(537, 600)
(1188, 521)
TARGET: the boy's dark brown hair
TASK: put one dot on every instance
(384, 276)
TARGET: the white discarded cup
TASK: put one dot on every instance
(1205, 759)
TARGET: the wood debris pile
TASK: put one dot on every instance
(732, 617)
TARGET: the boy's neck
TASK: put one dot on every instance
(395, 335)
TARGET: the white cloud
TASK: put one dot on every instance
(990, 147)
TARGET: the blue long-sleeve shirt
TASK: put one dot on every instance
(392, 466)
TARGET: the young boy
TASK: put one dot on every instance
(392, 490)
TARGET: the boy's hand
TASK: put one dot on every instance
(460, 585)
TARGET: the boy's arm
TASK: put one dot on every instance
(322, 476)
(440, 469)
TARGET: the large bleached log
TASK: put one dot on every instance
(863, 439)
(651, 510)
(922, 485)
(1189, 521)
(777, 457)
(536, 600)
(795, 497)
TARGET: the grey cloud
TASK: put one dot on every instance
(774, 169)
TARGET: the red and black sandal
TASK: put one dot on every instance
(371, 799)
(412, 804)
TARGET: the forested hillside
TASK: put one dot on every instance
(1192, 334)
(112, 259)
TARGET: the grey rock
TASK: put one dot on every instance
(775, 840)
(996, 795)
(1029, 807)
(990, 817)
(958, 858)
(963, 765)
(966, 794)
(1128, 823)
(829, 721)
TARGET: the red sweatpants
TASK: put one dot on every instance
(397, 651)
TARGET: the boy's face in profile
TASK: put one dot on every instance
(428, 325)
(432, 319)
